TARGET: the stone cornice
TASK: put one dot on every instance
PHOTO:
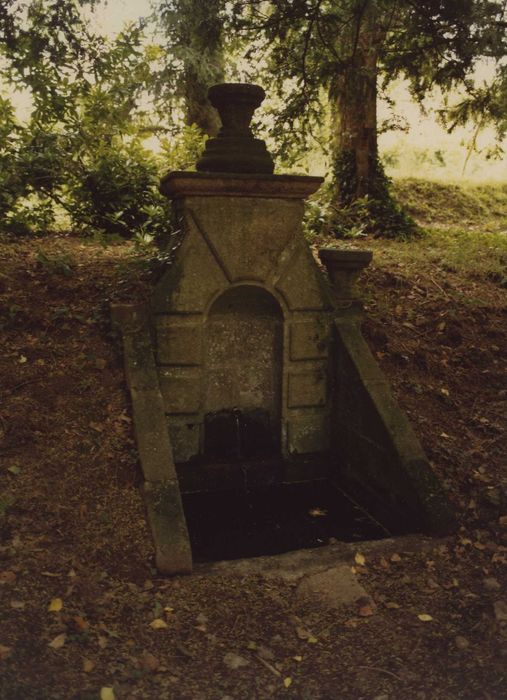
(177, 184)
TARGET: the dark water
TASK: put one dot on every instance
(238, 524)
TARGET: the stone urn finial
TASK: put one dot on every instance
(235, 150)
(343, 267)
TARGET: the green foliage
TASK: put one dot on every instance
(194, 58)
(56, 263)
(80, 157)
(316, 51)
(444, 204)
(182, 151)
(316, 217)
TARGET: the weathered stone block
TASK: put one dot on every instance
(185, 437)
(307, 388)
(247, 234)
(299, 284)
(178, 343)
(309, 340)
(308, 432)
(181, 389)
(243, 352)
(167, 521)
(192, 280)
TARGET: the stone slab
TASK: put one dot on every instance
(308, 432)
(247, 235)
(380, 455)
(178, 343)
(161, 490)
(300, 281)
(309, 340)
(178, 184)
(173, 554)
(333, 588)
(185, 435)
(191, 282)
(181, 389)
(307, 388)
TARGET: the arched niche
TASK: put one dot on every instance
(243, 375)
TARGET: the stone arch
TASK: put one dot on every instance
(243, 368)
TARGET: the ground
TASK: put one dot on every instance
(83, 613)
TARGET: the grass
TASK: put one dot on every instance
(463, 245)
(457, 250)
(432, 203)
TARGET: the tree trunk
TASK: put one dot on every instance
(205, 64)
(198, 109)
(353, 103)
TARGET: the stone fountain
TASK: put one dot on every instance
(249, 367)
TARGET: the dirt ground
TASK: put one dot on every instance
(83, 613)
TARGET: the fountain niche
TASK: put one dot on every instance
(250, 381)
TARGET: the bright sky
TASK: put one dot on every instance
(111, 17)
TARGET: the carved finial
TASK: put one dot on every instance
(235, 150)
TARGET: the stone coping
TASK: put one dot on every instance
(178, 184)
(340, 259)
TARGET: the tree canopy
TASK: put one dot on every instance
(96, 99)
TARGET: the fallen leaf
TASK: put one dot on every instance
(88, 665)
(317, 512)
(352, 623)
(360, 559)
(298, 658)
(492, 584)
(235, 661)
(395, 557)
(55, 605)
(312, 639)
(392, 606)
(149, 662)
(500, 607)
(265, 653)
(4, 652)
(158, 624)
(102, 642)
(107, 693)
(252, 646)
(7, 577)
(502, 520)
(58, 642)
(81, 624)
(201, 619)
(303, 633)
(366, 610)
(287, 682)
(425, 618)
(14, 469)
(18, 604)
(461, 642)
